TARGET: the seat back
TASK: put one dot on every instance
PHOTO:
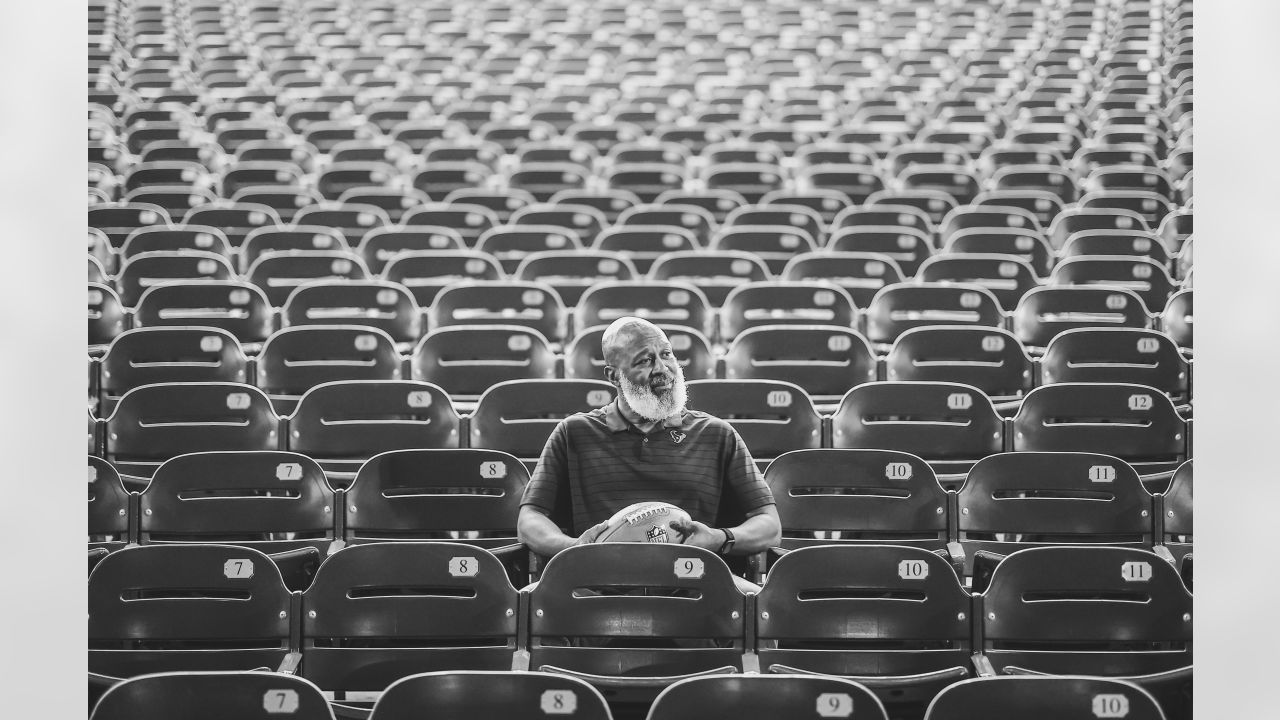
(468, 495)
(296, 359)
(466, 360)
(248, 498)
(807, 302)
(517, 416)
(108, 506)
(771, 417)
(1047, 698)
(1046, 311)
(861, 274)
(892, 617)
(1133, 422)
(935, 420)
(900, 307)
(726, 697)
(378, 612)
(511, 695)
(715, 272)
(153, 423)
(511, 244)
(1176, 529)
(669, 303)
(584, 355)
(237, 307)
(152, 268)
(424, 273)
(279, 273)
(506, 302)
(379, 304)
(1144, 276)
(107, 317)
(1008, 277)
(990, 359)
(823, 360)
(213, 696)
(187, 607)
(142, 356)
(829, 496)
(1128, 355)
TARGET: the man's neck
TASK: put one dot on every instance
(642, 424)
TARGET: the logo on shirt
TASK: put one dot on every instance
(677, 437)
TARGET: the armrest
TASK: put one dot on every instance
(956, 556)
(982, 665)
(520, 661)
(349, 712)
(1164, 554)
(883, 681)
(614, 681)
(297, 566)
(289, 665)
(750, 663)
(984, 564)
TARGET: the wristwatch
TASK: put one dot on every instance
(727, 547)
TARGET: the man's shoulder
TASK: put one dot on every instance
(589, 419)
(706, 422)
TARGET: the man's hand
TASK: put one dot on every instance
(695, 533)
(590, 534)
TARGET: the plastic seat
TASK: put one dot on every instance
(253, 499)
(863, 629)
(634, 654)
(117, 220)
(907, 246)
(343, 423)
(571, 272)
(394, 201)
(236, 307)
(278, 274)
(517, 416)
(245, 174)
(511, 244)
(845, 496)
(1112, 612)
(669, 303)
(1043, 204)
(479, 693)
(611, 203)
(212, 696)
(693, 218)
(825, 361)
(469, 219)
(344, 174)
(503, 203)
(582, 221)
(380, 246)
(855, 182)
(466, 360)
(772, 417)
(153, 423)
(774, 244)
(110, 515)
(1008, 277)
(949, 424)
(1133, 243)
(294, 238)
(143, 356)
(235, 220)
(1145, 277)
(507, 302)
(584, 356)
(379, 304)
(351, 219)
(861, 274)
(778, 214)
(1136, 423)
(1063, 697)
(295, 359)
(954, 180)
(810, 302)
(726, 697)
(900, 307)
(1048, 310)
(990, 359)
(1124, 355)
(1152, 207)
(935, 203)
(544, 179)
(1017, 500)
(179, 237)
(752, 180)
(1075, 219)
(148, 269)
(426, 272)
(107, 318)
(165, 608)
(644, 244)
(378, 612)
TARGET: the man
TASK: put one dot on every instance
(645, 446)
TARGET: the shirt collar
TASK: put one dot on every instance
(615, 421)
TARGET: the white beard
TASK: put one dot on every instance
(651, 406)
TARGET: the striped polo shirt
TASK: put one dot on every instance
(597, 463)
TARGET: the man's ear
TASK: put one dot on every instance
(611, 374)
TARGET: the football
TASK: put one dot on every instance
(644, 522)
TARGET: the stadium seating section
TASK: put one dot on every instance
(350, 262)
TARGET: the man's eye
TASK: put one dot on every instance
(666, 353)
(643, 362)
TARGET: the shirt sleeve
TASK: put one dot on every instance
(742, 477)
(550, 477)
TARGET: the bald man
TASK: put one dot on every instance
(646, 445)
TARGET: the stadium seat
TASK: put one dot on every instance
(861, 274)
(824, 361)
(1008, 277)
(1061, 697)
(990, 359)
(772, 417)
(107, 316)
(466, 360)
(379, 246)
(517, 416)
(351, 220)
(571, 272)
(714, 272)
(645, 244)
(581, 220)
(725, 697)
(1076, 219)
(1117, 355)
(117, 220)
(213, 696)
(379, 304)
(902, 306)
(1146, 278)
(1043, 204)
(863, 628)
(811, 302)
(426, 272)
(693, 218)
(691, 622)
(1018, 500)
(667, 303)
(235, 220)
(1112, 612)
(469, 219)
(165, 608)
(378, 612)
(907, 246)
(156, 238)
(1174, 533)
(141, 272)
(143, 356)
(268, 500)
(584, 355)
(110, 507)
(1136, 423)
(1048, 310)
(296, 359)
(508, 302)
(279, 273)
(513, 695)
(951, 425)
(153, 423)
(237, 307)
(341, 424)
(511, 244)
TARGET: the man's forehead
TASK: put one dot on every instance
(638, 337)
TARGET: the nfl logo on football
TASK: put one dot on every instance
(657, 533)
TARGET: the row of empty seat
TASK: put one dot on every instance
(377, 612)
